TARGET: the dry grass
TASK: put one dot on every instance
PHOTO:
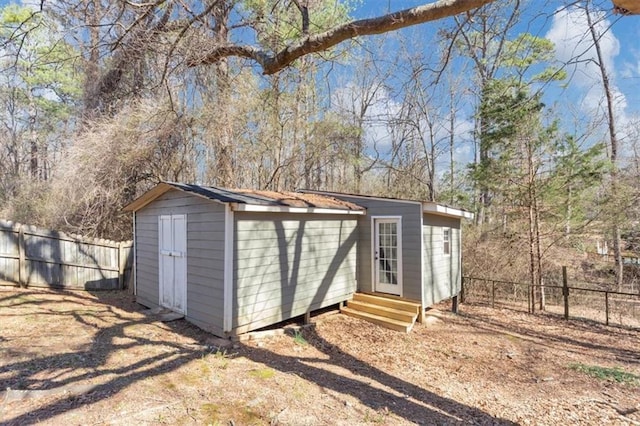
(96, 359)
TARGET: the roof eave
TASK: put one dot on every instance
(367, 197)
(240, 207)
(441, 210)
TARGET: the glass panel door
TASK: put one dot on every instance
(387, 256)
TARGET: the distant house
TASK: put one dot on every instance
(233, 261)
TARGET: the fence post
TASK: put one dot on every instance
(121, 265)
(22, 270)
(493, 294)
(462, 290)
(606, 306)
(532, 290)
(565, 292)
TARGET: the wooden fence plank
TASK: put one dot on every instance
(41, 257)
(22, 280)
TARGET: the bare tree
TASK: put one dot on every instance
(613, 140)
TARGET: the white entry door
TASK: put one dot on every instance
(387, 255)
(172, 241)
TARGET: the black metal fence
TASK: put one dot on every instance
(609, 307)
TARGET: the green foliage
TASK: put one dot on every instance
(576, 173)
(511, 117)
(40, 91)
(615, 374)
(43, 65)
(460, 195)
(14, 15)
(524, 56)
(281, 24)
(263, 373)
(516, 139)
(299, 339)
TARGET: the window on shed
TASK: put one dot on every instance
(446, 241)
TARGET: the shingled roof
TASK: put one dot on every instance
(626, 7)
(242, 198)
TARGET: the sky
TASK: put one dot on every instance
(577, 100)
(580, 97)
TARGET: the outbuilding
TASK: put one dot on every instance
(407, 248)
(233, 261)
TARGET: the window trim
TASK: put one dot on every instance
(446, 242)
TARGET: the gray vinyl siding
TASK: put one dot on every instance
(205, 256)
(411, 245)
(442, 273)
(288, 264)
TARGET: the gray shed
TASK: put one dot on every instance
(406, 248)
(233, 261)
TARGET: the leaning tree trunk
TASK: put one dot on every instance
(615, 228)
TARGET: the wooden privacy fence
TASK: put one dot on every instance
(569, 301)
(31, 256)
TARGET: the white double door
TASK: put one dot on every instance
(172, 241)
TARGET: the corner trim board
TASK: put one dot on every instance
(423, 256)
(135, 258)
(228, 269)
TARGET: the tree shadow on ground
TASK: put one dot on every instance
(91, 360)
(555, 340)
(110, 322)
(372, 386)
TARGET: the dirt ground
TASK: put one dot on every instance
(80, 358)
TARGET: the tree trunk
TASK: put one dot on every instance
(568, 212)
(272, 63)
(613, 139)
(452, 125)
(91, 102)
(33, 141)
(532, 231)
(536, 216)
(223, 146)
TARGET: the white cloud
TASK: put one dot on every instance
(570, 34)
(631, 66)
(381, 109)
(574, 46)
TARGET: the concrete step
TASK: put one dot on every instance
(383, 311)
(390, 323)
(401, 305)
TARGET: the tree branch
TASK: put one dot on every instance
(272, 63)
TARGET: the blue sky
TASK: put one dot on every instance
(579, 101)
